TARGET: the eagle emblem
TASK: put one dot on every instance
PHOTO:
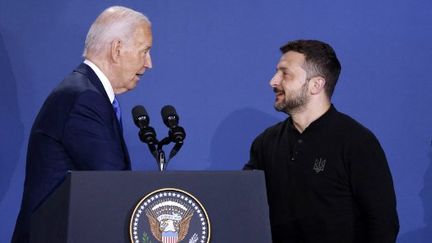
(169, 216)
(172, 225)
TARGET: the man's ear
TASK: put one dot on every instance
(116, 46)
(317, 85)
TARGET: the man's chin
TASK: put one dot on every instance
(132, 85)
(280, 107)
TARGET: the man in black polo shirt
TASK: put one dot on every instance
(327, 176)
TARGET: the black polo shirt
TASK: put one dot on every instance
(330, 183)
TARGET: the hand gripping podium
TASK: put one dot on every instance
(117, 206)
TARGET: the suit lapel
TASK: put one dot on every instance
(94, 79)
(91, 75)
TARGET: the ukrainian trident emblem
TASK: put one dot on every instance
(319, 165)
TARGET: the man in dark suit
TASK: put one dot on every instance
(79, 125)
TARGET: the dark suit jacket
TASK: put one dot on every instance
(76, 129)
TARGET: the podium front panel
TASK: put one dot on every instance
(100, 204)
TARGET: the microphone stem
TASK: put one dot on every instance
(162, 160)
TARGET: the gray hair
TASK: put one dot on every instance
(115, 22)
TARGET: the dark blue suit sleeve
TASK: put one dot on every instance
(91, 134)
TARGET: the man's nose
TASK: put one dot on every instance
(276, 80)
(148, 61)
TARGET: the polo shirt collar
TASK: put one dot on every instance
(324, 118)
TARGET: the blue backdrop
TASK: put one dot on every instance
(213, 60)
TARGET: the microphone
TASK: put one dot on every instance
(170, 117)
(147, 133)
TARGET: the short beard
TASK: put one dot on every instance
(296, 103)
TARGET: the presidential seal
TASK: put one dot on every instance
(169, 215)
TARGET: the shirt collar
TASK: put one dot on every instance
(103, 78)
(327, 116)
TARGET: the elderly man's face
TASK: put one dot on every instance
(135, 59)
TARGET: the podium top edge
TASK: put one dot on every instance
(209, 172)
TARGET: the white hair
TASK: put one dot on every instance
(115, 22)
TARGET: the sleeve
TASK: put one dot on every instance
(255, 154)
(373, 190)
(90, 135)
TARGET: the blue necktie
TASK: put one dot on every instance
(116, 106)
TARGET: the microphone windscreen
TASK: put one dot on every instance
(169, 116)
(140, 116)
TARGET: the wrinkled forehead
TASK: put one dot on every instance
(143, 35)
